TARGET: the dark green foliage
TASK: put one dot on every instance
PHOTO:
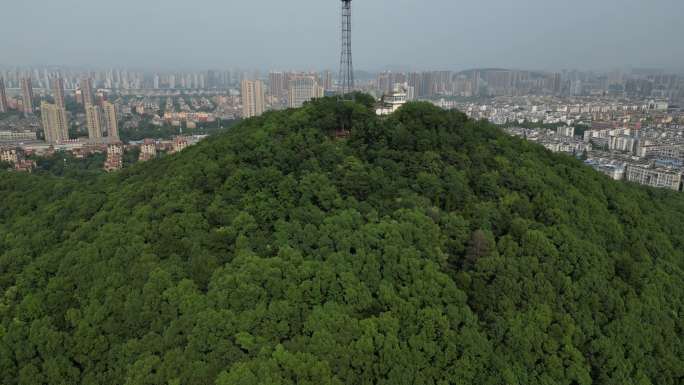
(166, 131)
(64, 164)
(423, 249)
(580, 129)
(9, 114)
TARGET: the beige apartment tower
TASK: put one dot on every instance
(55, 123)
(109, 119)
(276, 83)
(4, 107)
(86, 86)
(94, 119)
(57, 86)
(302, 89)
(27, 95)
(252, 98)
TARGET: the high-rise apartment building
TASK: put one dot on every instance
(427, 84)
(442, 82)
(55, 123)
(27, 95)
(476, 82)
(57, 86)
(276, 83)
(557, 83)
(3, 97)
(327, 81)
(110, 121)
(415, 80)
(302, 89)
(86, 86)
(385, 82)
(94, 118)
(252, 98)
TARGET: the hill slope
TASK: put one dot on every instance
(423, 249)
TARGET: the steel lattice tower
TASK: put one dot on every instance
(346, 78)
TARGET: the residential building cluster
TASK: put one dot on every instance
(42, 123)
(149, 149)
(16, 157)
(642, 150)
(570, 110)
(283, 90)
(101, 115)
(559, 140)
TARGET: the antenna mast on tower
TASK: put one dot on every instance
(346, 78)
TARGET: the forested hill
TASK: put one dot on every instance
(422, 249)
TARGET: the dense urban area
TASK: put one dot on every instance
(626, 124)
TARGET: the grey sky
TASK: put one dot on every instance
(427, 34)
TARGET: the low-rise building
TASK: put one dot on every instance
(114, 160)
(148, 150)
(17, 158)
(10, 154)
(392, 101)
(17, 136)
(567, 131)
(622, 143)
(654, 177)
(614, 169)
(180, 143)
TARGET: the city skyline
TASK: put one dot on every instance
(333, 68)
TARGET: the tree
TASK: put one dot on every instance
(422, 248)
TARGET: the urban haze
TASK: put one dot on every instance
(407, 34)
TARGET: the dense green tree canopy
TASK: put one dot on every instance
(423, 248)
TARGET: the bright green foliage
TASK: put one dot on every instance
(424, 249)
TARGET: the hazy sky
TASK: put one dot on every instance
(270, 34)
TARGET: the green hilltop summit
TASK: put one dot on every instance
(423, 248)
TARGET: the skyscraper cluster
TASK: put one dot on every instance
(124, 79)
(54, 116)
(294, 88)
(491, 82)
(93, 111)
(100, 116)
(55, 119)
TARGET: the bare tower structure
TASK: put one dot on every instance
(346, 68)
